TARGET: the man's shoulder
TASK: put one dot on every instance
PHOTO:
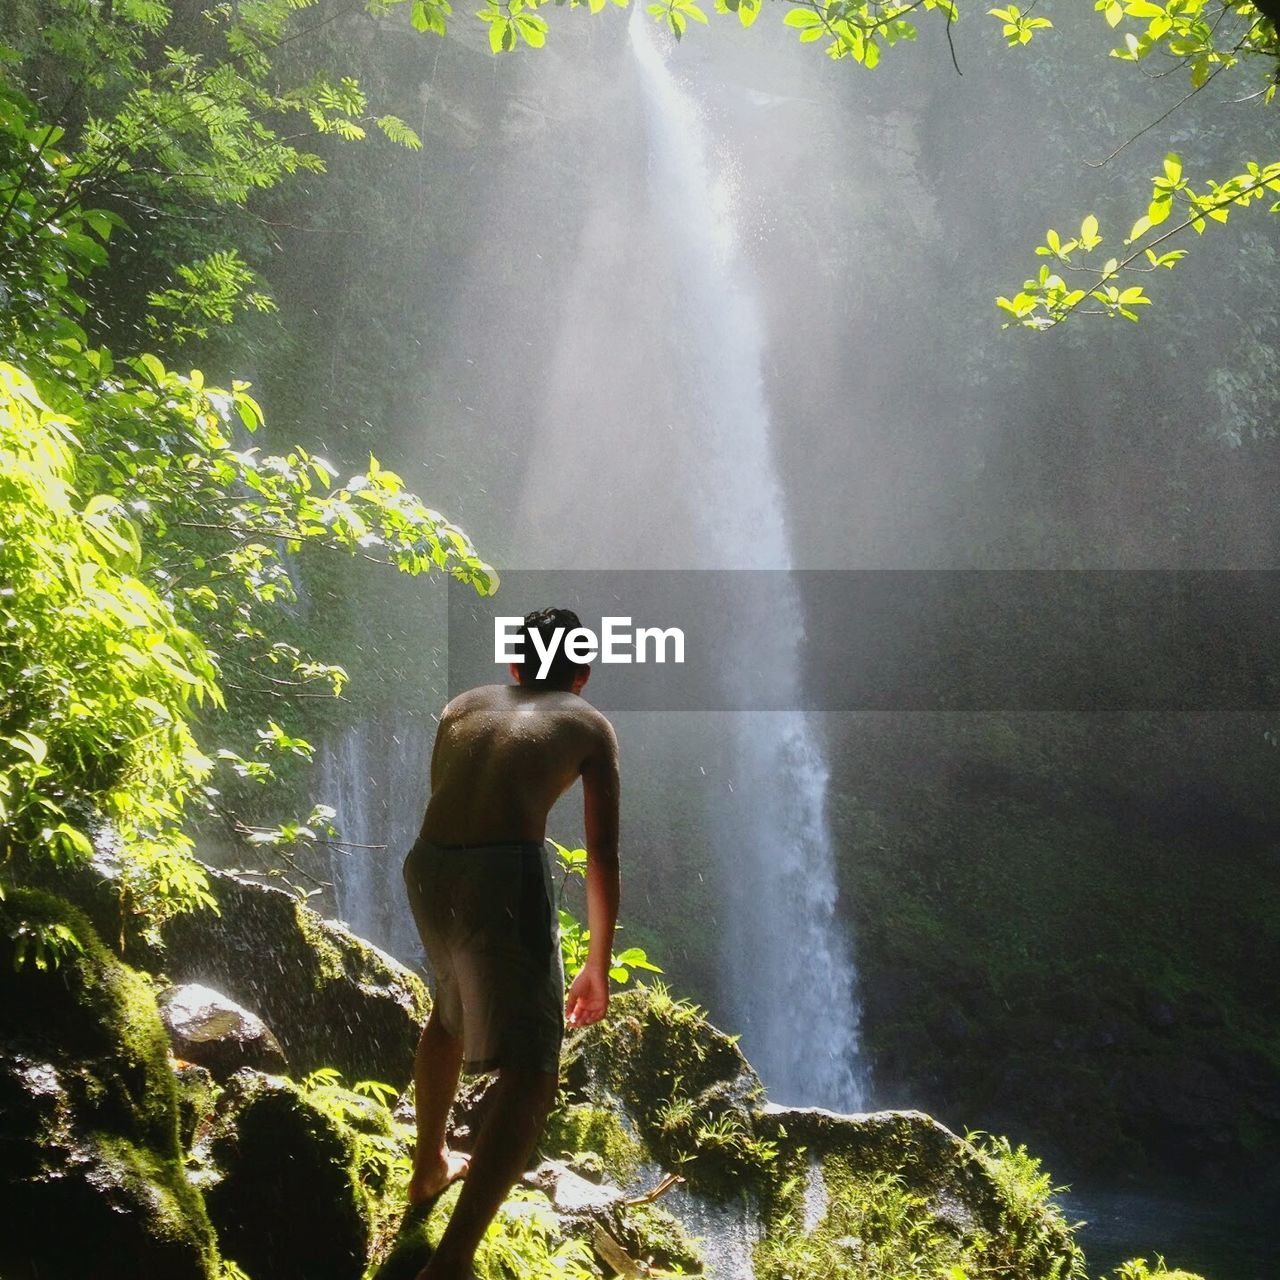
(594, 719)
(468, 698)
(574, 709)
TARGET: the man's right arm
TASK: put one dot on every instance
(588, 996)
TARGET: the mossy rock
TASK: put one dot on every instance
(197, 1096)
(582, 1129)
(528, 1239)
(656, 1238)
(414, 1242)
(898, 1179)
(685, 1085)
(332, 999)
(90, 1162)
(97, 888)
(286, 1199)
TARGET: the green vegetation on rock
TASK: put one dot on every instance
(331, 999)
(576, 1128)
(91, 1157)
(286, 1195)
(686, 1085)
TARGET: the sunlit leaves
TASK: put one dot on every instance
(811, 23)
(127, 611)
(208, 292)
(1112, 10)
(430, 15)
(747, 10)
(45, 944)
(1204, 37)
(1017, 26)
(97, 667)
(1048, 300)
(511, 23)
(575, 940)
(676, 14)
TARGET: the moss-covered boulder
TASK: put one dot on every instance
(852, 1188)
(588, 1137)
(829, 1195)
(197, 1096)
(284, 1194)
(332, 999)
(91, 1172)
(656, 1239)
(683, 1084)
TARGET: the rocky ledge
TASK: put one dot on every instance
(178, 1148)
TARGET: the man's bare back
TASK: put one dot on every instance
(505, 754)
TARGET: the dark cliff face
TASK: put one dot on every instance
(1064, 926)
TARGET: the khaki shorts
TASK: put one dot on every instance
(487, 917)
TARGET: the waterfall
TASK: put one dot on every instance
(788, 968)
(374, 774)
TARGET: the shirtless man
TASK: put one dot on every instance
(482, 895)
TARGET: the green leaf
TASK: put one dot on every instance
(30, 744)
(152, 367)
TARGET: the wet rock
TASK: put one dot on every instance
(569, 1193)
(595, 1141)
(197, 1094)
(91, 1173)
(331, 999)
(656, 1238)
(96, 887)
(285, 1197)
(932, 1159)
(587, 1164)
(207, 1028)
(470, 1106)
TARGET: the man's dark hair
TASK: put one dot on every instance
(562, 670)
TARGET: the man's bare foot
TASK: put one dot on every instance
(431, 1179)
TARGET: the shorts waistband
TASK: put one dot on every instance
(524, 846)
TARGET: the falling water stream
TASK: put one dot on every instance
(792, 988)
(374, 775)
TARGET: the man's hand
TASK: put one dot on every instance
(588, 997)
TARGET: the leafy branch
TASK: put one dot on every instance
(1048, 300)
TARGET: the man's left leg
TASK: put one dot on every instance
(508, 1135)
(435, 1082)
